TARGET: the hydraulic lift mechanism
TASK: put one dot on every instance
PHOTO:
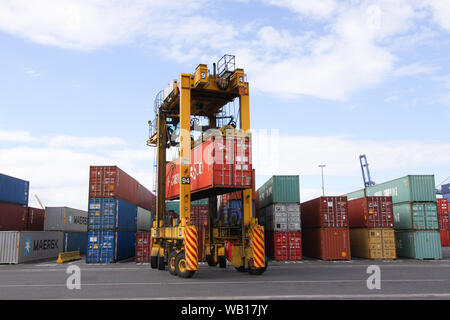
(176, 245)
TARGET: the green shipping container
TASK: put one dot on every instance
(418, 244)
(411, 188)
(355, 194)
(416, 216)
(173, 206)
(279, 189)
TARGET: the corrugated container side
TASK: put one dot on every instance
(420, 188)
(146, 198)
(75, 241)
(415, 216)
(26, 246)
(372, 243)
(325, 212)
(65, 219)
(14, 190)
(110, 246)
(218, 165)
(442, 205)
(112, 182)
(445, 188)
(279, 189)
(13, 217)
(284, 246)
(112, 214)
(9, 245)
(445, 237)
(143, 244)
(327, 243)
(144, 219)
(418, 244)
(355, 194)
(35, 220)
(371, 212)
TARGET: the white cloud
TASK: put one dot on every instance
(302, 154)
(58, 168)
(350, 51)
(417, 68)
(32, 73)
(319, 9)
(86, 24)
(84, 142)
(441, 12)
(59, 175)
(16, 136)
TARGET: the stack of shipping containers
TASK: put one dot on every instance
(114, 198)
(325, 228)
(279, 212)
(371, 223)
(444, 225)
(72, 223)
(143, 235)
(415, 214)
(22, 238)
(15, 215)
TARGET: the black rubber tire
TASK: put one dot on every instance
(222, 262)
(258, 271)
(154, 262)
(210, 260)
(161, 262)
(172, 257)
(241, 269)
(182, 273)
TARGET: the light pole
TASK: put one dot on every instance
(323, 188)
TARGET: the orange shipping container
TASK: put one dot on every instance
(219, 165)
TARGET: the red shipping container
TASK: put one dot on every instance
(13, 217)
(444, 223)
(327, 243)
(284, 246)
(146, 199)
(218, 165)
(143, 243)
(200, 219)
(445, 238)
(35, 221)
(442, 205)
(325, 212)
(112, 182)
(371, 212)
(237, 195)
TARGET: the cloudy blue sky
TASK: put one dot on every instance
(329, 80)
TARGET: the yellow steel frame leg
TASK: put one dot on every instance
(189, 232)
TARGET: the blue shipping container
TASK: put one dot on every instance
(75, 241)
(446, 196)
(445, 188)
(110, 246)
(111, 214)
(14, 190)
(233, 212)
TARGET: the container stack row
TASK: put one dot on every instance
(444, 225)
(15, 214)
(325, 227)
(72, 223)
(416, 220)
(279, 213)
(371, 223)
(119, 206)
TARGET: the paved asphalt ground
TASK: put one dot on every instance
(309, 279)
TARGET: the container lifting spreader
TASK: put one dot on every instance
(201, 94)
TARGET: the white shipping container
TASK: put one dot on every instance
(65, 219)
(144, 219)
(283, 217)
(24, 246)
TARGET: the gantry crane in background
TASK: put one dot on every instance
(365, 171)
(201, 95)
